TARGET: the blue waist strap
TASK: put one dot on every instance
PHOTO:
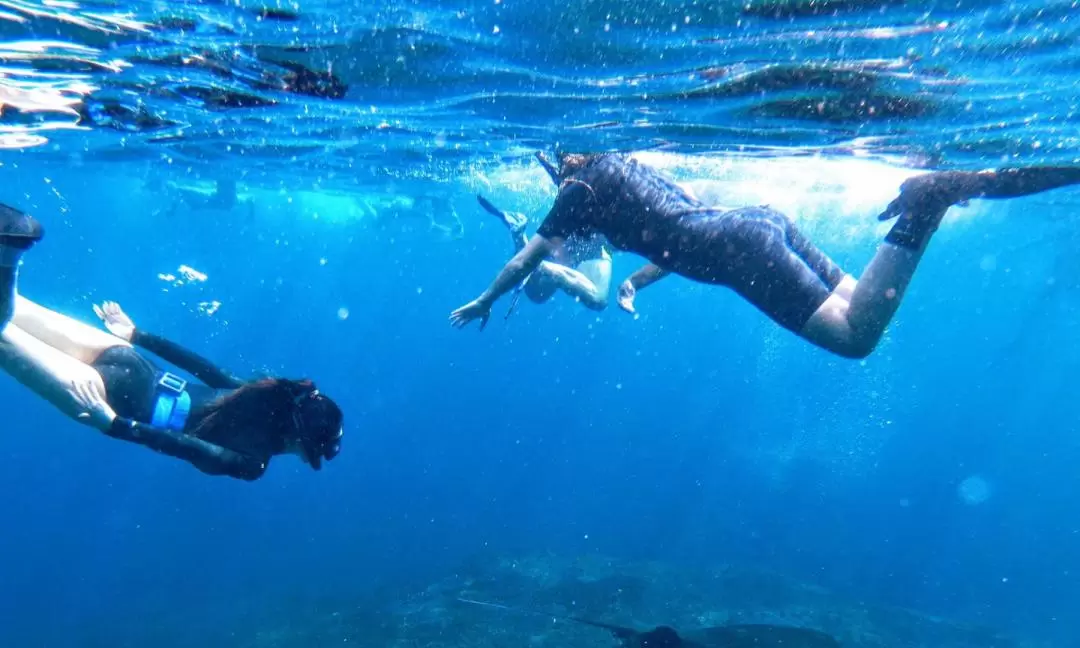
(173, 403)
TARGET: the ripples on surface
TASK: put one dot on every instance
(432, 87)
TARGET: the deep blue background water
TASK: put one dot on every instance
(697, 434)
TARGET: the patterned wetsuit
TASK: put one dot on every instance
(756, 251)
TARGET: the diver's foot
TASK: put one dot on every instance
(929, 196)
(945, 188)
(923, 202)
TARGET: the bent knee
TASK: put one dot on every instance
(855, 349)
(847, 342)
(830, 329)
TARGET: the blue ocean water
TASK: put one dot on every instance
(937, 475)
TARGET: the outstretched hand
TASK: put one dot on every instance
(115, 319)
(626, 296)
(95, 411)
(475, 309)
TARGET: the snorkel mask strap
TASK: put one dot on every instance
(298, 401)
(304, 395)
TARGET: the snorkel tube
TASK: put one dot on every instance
(552, 171)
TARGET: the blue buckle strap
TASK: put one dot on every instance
(173, 403)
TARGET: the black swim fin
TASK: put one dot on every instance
(19, 229)
(491, 209)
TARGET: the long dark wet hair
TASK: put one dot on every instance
(567, 164)
(284, 409)
(571, 163)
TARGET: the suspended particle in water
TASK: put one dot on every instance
(988, 263)
(343, 313)
(974, 490)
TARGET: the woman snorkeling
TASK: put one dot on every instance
(223, 426)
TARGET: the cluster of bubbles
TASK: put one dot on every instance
(186, 275)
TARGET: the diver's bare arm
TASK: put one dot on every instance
(646, 276)
(519, 267)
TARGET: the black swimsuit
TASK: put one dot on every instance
(133, 387)
(756, 251)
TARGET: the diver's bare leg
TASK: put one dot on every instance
(66, 334)
(48, 372)
(597, 272)
(852, 325)
(80, 341)
(852, 320)
(846, 288)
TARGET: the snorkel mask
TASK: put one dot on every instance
(318, 425)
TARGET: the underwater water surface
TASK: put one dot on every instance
(691, 466)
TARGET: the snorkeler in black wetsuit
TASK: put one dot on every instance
(222, 427)
(756, 251)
